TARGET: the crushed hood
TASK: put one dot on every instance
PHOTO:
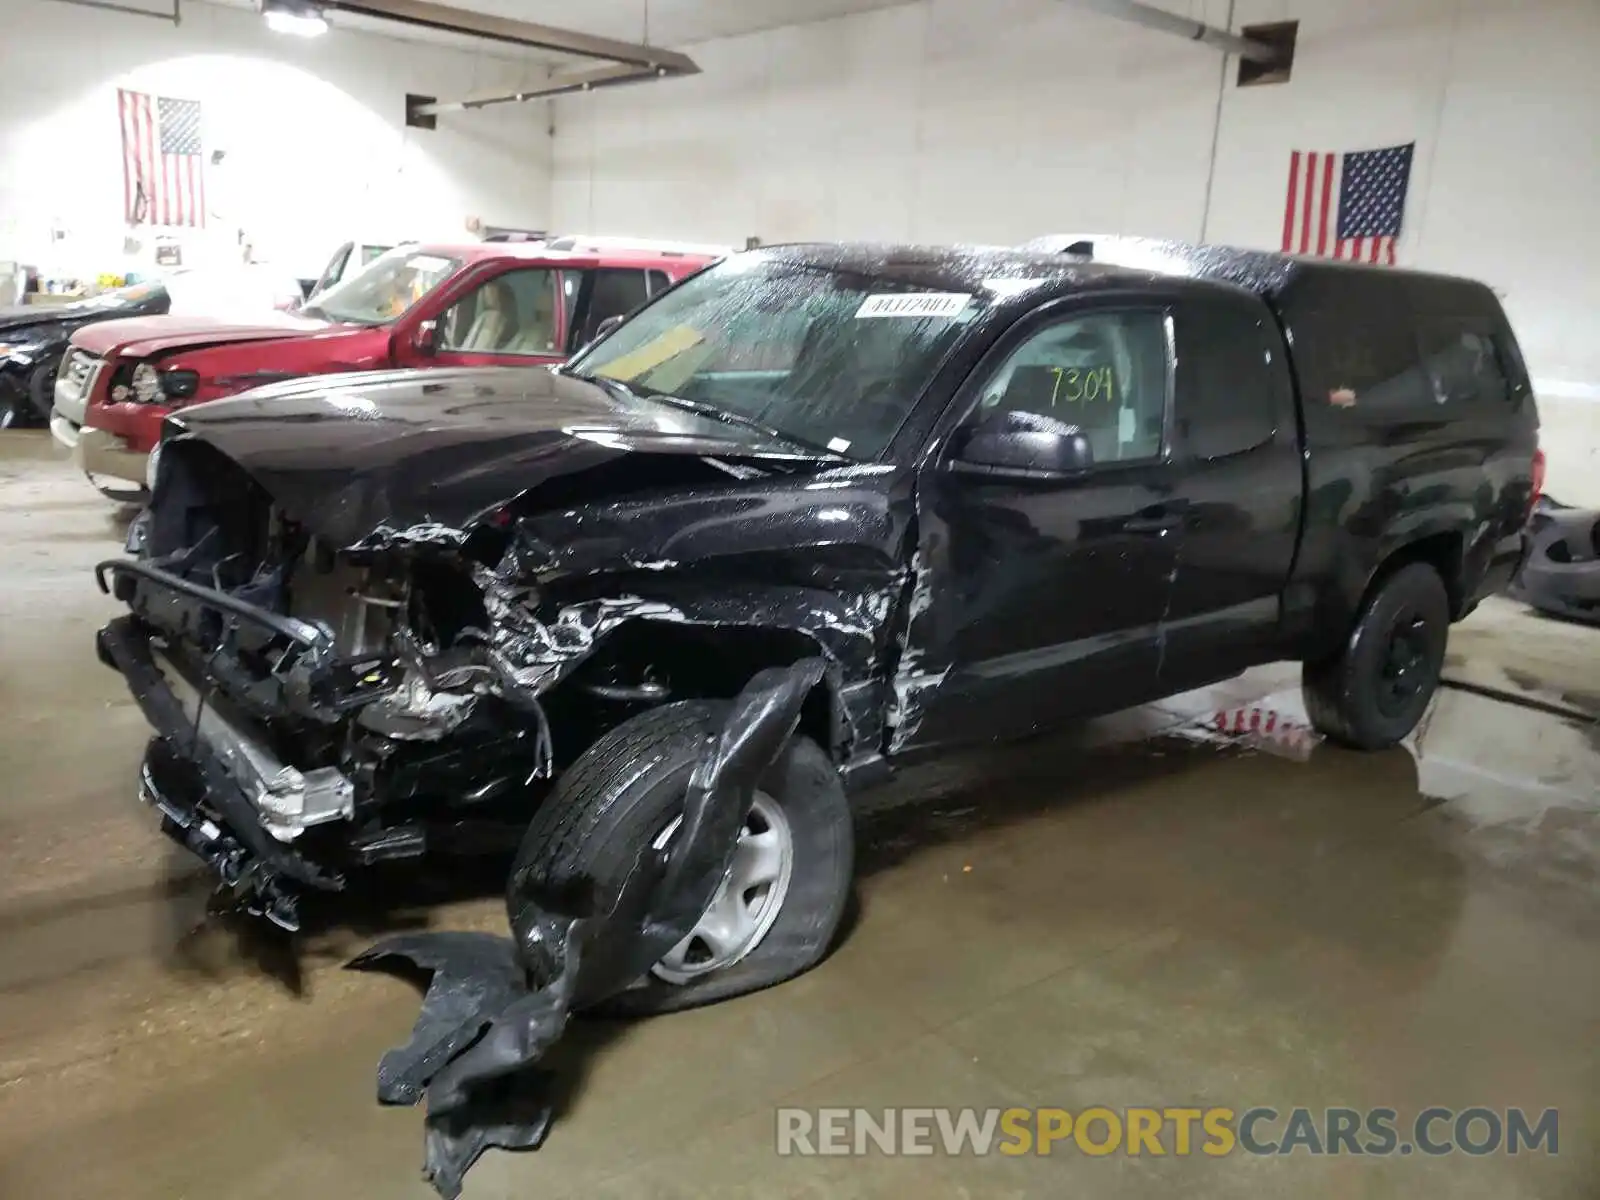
(372, 457)
(141, 337)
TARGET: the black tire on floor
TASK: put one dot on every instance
(624, 790)
(1344, 694)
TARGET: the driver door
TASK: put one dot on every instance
(1040, 595)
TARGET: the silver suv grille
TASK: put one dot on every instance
(77, 372)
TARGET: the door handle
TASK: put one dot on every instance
(1158, 518)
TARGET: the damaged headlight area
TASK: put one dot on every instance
(360, 704)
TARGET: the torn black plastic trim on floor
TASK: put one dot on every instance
(495, 1006)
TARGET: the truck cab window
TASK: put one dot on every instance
(513, 313)
(1103, 373)
(1355, 349)
(1230, 367)
(1463, 366)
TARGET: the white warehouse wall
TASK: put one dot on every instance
(948, 120)
(316, 146)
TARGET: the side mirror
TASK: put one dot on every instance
(996, 449)
(426, 338)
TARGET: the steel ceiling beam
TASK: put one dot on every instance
(655, 59)
(175, 16)
(587, 80)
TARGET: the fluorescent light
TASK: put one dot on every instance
(309, 23)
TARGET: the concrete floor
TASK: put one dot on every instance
(1134, 915)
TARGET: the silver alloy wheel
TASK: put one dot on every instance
(745, 904)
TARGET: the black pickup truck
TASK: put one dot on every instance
(992, 491)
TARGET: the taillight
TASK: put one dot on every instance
(1538, 479)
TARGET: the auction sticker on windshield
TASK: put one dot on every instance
(914, 304)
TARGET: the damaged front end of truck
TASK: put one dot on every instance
(363, 636)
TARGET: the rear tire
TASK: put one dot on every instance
(629, 787)
(1374, 691)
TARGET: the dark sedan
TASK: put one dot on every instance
(34, 337)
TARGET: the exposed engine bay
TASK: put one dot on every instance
(352, 668)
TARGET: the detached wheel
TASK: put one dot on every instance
(776, 911)
(1375, 690)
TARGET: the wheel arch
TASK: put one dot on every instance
(1341, 599)
(713, 661)
(1444, 550)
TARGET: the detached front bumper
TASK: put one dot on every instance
(192, 778)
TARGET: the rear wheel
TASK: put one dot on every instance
(775, 912)
(1375, 690)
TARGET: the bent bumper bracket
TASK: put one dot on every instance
(302, 633)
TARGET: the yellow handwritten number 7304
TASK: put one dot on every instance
(1077, 385)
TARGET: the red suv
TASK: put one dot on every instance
(416, 306)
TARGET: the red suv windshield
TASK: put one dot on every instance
(384, 289)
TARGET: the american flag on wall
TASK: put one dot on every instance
(163, 181)
(1347, 205)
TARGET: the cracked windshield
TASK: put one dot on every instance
(829, 360)
(385, 289)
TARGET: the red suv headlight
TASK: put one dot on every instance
(146, 384)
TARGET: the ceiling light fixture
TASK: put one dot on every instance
(294, 18)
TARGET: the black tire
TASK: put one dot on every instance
(42, 389)
(1358, 697)
(625, 789)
